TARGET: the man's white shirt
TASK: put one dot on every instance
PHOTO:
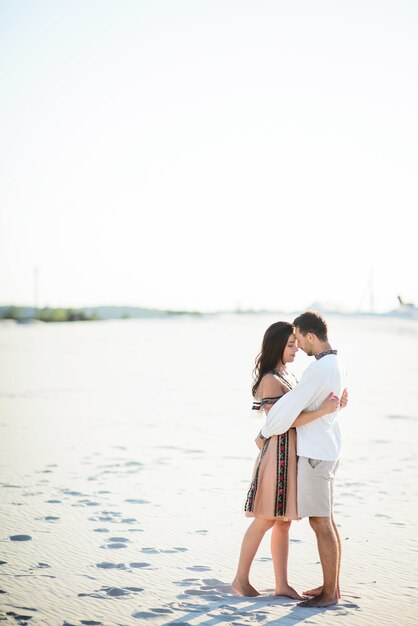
(321, 438)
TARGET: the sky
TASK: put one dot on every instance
(208, 154)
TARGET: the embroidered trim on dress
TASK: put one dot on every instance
(324, 353)
(258, 404)
(283, 378)
(249, 503)
(281, 476)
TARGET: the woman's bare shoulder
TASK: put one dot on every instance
(270, 387)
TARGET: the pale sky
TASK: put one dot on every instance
(208, 154)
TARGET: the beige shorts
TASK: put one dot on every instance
(315, 487)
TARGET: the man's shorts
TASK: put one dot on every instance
(315, 487)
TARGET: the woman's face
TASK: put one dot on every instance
(290, 350)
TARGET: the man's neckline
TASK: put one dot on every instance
(324, 353)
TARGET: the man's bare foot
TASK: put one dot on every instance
(288, 592)
(243, 589)
(321, 600)
(315, 592)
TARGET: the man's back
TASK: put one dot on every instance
(321, 438)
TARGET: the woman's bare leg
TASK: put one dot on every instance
(249, 547)
(280, 553)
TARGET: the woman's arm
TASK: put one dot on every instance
(329, 405)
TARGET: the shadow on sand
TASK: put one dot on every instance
(216, 601)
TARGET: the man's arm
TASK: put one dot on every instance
(282, 414)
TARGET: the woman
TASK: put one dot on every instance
(271, 499)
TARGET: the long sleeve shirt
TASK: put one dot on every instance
(321, 438)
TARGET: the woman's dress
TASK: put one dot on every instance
(272, 493)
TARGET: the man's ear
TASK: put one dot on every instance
(311, 337)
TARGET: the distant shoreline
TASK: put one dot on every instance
(23, 314)
(27, 314)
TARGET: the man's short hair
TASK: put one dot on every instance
(312, 322)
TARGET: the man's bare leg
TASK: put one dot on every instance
(328, 552)
(317, 590)
(280, 553)
(250, 544)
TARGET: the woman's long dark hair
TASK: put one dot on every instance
(274, 342)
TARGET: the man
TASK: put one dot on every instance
(318, 447)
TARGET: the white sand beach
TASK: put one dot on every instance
(126, 451)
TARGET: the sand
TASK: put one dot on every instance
(125, 453)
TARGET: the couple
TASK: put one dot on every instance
(299, 449)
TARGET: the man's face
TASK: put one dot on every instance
(303, 342)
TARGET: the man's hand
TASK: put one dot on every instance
(260, 442)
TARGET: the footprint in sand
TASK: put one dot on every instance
(42, 566)
(112, 592)
(47, 518)
(115, 543)
(150, 550)
(115, 592)
(186, 582)
(86, 502)
(185, 607)
(215, 584)
(21, 619)
(203, 593)
(155, 612)
(68, 492)
(105, 565)
(199, 568)
(139, 565)
(106, 516)
(20, 538)
(162, 611)
(173, 550)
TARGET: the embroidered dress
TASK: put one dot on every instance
(272, 493)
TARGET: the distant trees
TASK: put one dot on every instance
(13, 313)
(24, 314)
(46, 314)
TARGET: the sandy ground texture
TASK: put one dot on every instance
(123, 473)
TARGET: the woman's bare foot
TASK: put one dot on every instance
(288, 592)
(321, 600)
(243, 589)
(315, 592)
